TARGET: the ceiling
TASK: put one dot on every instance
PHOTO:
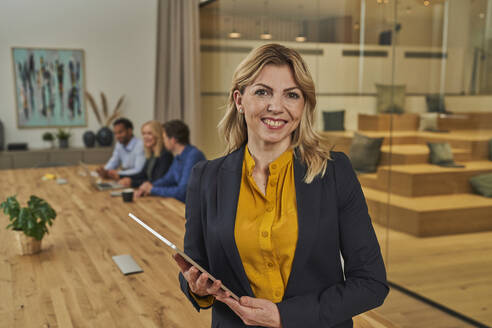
(317, 9)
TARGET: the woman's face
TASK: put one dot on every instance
(272, 105)
(148, 138)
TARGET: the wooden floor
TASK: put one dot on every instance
(408, 312)
(455, 271)
(73, 282)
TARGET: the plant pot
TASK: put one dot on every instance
(105, 137)
(49, 144)
(27, 245)
(89, 139)
(63, 143)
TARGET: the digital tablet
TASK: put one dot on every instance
(183, 254)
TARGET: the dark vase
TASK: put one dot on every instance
(89, 139)
(63, 143)
(105, 136)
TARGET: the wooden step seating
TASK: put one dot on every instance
(425, 179)
(430, 215)
(465, 121)
(411, 121)
(416, 154)
(474, 141)
(426, 200)
(382, 122)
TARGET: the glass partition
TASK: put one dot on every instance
(412, 75)
(440, 228)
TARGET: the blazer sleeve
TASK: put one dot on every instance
(162, 166)
(194, 243)
(138, 178)
(365, 285)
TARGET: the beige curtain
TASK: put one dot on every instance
(177, 94)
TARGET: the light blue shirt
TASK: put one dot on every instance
(131, 157)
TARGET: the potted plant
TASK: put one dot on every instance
(63, 137)
(50, 138)
(29, 223)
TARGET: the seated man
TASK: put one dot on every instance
(176, 137)
(128, 152)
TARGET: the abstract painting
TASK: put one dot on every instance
(49, 87)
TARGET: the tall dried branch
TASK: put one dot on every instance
(116, 112)
(119, 103)
(104, 105)
(94, 107)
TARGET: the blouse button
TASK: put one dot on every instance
(274, 166)
(272, 183)
(278, 293)
(270, 264)
(264, 234)
(269, 208)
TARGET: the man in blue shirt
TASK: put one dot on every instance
(174, 183)
(128, 153)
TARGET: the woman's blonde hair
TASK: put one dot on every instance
(156, 129)
(313, 150)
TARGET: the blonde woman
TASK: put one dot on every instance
(158, 159)
(272, 217)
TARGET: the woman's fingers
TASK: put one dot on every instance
(214, 288)
(202, 281)
(192, 275)
(199, 282)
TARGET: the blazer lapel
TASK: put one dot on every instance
(228, 186)
(308, 205)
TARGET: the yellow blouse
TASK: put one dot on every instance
(266, 226)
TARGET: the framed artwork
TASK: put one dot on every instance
(49, 87)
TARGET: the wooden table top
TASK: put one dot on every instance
(74, 282)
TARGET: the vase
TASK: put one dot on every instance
(89, 139)
(63, 143)
(105, 137)
(49, 144)
(27, 245)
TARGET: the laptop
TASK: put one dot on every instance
(97, 182)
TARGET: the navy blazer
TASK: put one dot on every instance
(332, 219)
(161, 166)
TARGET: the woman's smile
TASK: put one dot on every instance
(274, 124)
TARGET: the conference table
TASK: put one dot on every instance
(73, 281)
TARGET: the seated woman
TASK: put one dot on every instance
(158, 159)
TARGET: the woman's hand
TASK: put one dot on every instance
(199, 283)
(125, 182)
(144, 189)
(254, 311)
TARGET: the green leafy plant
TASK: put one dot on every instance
(33, 219)
(63, 135)
(48, 136)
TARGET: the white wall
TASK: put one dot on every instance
(119, 39)
(334, 73)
